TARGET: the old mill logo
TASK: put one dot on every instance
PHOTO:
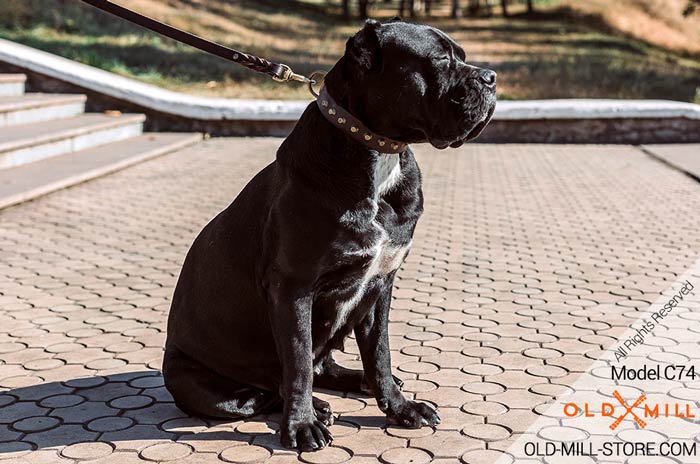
(680, 410)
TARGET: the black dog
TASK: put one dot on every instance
(308, 251)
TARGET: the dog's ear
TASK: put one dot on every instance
(365, 48)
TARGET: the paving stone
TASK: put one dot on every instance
(36, 424)
(110, 424)
(487, 432)
(165, 452)
(61, 401)
(156, 413)
(245, 454)
(64, 434)
(87, 451)
(405, 456)
(136, 437)
(131, 402)
(518, 278)
(14, 449)
(83, 412)
(369, 442)
(6, 434)
(446, 443)
(328, 455)
(256, 427)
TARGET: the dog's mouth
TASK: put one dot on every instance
(470, 134)
(477, 129)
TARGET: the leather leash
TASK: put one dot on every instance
(278, 71)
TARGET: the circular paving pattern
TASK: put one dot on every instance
(484, 369)
(486, 432)
(165, 452)
(565, 434)
(245, 454)
(85, 382)
(512, 266)
(110, 424)
(483, 388)
(486, 457)
(36, 424)
(61, 401)
(328, 455)
(14, 449)
(485, 408)
(405, 456)
(258, 428)
(87, 451)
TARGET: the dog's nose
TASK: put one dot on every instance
(488, 77)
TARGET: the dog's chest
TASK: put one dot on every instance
(373, 249)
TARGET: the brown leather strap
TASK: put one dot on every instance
(278, 71)
(343, 120)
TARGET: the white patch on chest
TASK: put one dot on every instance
(385, 256)
(387, 172)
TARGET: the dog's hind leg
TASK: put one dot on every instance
(199, 391)
(336, 377)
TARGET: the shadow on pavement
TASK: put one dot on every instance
(128, 410)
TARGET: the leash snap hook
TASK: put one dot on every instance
(288, 75)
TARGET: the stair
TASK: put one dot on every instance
(48, 142)
(31, 180)
(38, 107)
(12, 85)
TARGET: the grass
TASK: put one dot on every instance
(568, 49)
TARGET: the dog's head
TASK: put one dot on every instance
(410, 82)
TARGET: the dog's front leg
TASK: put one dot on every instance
(291, 319)
(373, 340)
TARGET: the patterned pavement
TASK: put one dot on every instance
(528, 262)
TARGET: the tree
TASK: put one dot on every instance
(504, 7)
(530, 8)
(346, 9)
(456, 11)
(363, 6)
(411, 8)
(692, 7)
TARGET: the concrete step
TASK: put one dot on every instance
(29, 181)
(12, 84)
(37, 107)
(31, 142)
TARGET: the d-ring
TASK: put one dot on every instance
(316, 78)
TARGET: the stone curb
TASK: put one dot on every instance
(219, 109)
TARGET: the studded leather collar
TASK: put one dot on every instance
(343, 120)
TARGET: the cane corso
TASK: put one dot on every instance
(308, 251)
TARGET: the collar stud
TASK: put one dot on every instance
(353, 127)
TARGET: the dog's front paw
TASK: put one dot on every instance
(323, 411)
(413, 415)
(305, 434)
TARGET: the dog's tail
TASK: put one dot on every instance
(199, 391)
